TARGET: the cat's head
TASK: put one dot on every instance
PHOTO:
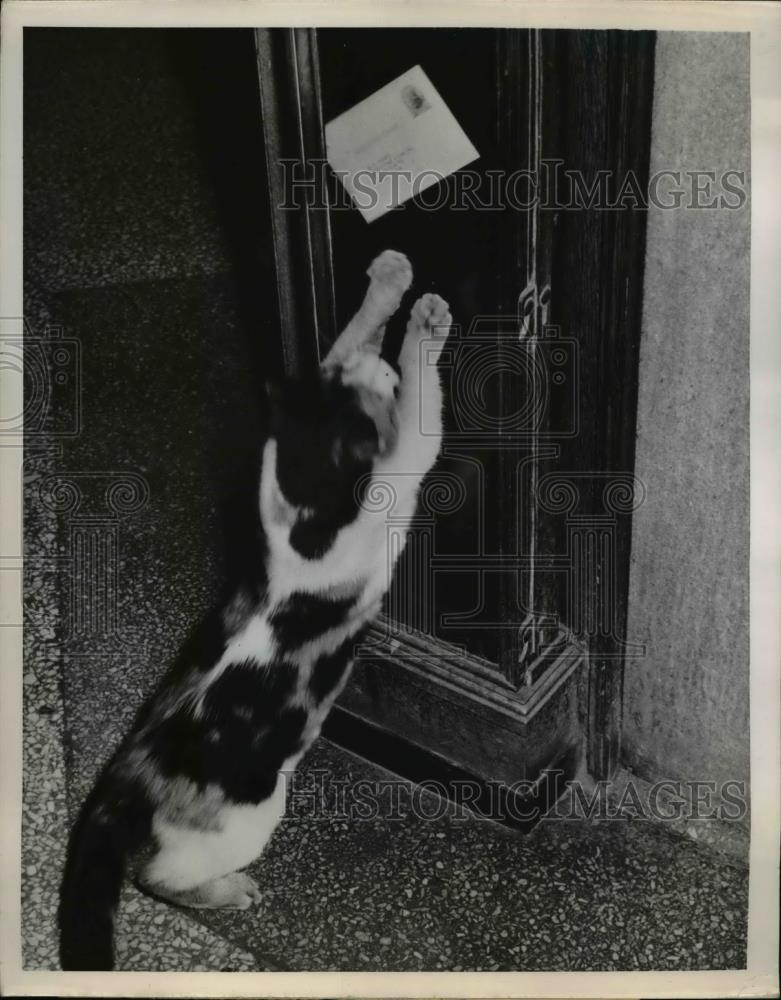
(326, 435)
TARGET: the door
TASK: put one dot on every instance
(502, 644)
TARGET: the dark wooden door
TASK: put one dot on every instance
(502, 645)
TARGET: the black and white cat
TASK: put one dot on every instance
(196, 790)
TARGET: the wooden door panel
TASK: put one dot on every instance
(500, 602)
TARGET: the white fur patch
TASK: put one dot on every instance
(370, 371)
(254, 642)
(188, 858)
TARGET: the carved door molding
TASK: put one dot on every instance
(571, 283)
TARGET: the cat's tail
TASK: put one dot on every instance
(111, 826)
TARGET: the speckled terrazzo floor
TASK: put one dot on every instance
(386, 894)
(452, 893)
(140, 272)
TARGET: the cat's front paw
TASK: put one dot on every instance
(432, 314)
(428, 327)
(429, 319)
(390, 275)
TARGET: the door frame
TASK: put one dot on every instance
(402, 688)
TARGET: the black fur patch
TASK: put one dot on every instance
(203, 647)
(330, 668)
(325, 447)
(246, 685)
(115, 820)
(246, 731)
(313, 537)
(303, 617)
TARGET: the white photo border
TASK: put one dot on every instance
(763, 21)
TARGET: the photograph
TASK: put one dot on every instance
(385, 498)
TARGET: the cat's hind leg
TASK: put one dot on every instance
(234, 891)
(390, 275)
(198, 865)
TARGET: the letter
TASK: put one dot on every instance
(677, 804)
(441, 191)
(654, 196)
(630, 188)
(518, 203)
(588, 197)
(587, 806)
(630, 793)
(696, 799)
(697, 190)
(422, 797)
(739, 190)
(365, 804)
(738, 800)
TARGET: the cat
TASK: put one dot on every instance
(197, 788)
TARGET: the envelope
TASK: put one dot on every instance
(398, 142)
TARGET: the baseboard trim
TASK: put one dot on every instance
(518, 807)
(473, 676)
(461, 708)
